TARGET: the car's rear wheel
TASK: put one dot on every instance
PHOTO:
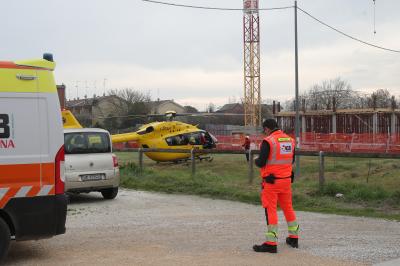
(109, 193)
(4, 239)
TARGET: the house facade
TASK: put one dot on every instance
(92, 111)
(162, 106)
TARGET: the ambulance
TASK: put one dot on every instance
(32, 200)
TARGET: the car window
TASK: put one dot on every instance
(86, 142)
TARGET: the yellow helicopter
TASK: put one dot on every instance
(168, 134)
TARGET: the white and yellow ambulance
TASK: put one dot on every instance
(32, 200)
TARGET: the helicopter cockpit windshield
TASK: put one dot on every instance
(210, 141)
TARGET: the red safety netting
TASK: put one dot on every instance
(360, 143)
(357, 143)
(124, 145)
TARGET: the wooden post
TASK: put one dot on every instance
(334, 123)
(251, 167)
(193, 159)
(140, 160)
(321, 170)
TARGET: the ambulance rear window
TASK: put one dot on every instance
(86, 142)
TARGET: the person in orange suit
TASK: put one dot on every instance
(275, 160)
(246, 147)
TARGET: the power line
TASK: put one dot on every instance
(374, 17)
(276, 8)
(212, 8)
(347, 35)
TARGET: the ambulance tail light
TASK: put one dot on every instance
(60, 171)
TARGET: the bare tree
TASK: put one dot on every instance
(130, 101)
(334, 93)
(380, 98)
(210, 108)
(337, 94)
(127, 103)
(190, 109)
(328, 95)
(290, 105)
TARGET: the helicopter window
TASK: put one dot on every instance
(177, 140)
(181, 140)
(185, 139)
(147, 130)
(195, 138)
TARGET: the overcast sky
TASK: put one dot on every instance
(196, 56)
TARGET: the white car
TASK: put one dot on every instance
(90, 164)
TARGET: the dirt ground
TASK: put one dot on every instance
(141, 228)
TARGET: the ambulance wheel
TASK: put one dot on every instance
(4, 239)
(110, 193)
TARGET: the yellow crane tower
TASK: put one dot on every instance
(252, 87)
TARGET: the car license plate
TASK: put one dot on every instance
(93, 177)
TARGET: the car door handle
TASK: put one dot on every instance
(25, 77)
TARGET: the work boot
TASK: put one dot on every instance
(293, 242)
(265, 248)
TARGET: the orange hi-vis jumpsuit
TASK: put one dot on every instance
(279, 164)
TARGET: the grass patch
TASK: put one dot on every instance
(369, 188)
(204, 183)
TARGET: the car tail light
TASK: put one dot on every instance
(60, 171)
(115, 160)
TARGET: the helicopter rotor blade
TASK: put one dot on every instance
(120, 116)
(209, 114)
(163, 116)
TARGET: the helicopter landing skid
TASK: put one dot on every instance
(200, 158)
(206, 158)
(179, 161)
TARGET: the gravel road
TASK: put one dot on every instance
(141, 228)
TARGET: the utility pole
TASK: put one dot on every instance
(86, 88)
(76, 86)
(297, 118)
(104, 87)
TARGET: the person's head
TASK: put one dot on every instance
(269, 125)
(79, 140)
(247, 137)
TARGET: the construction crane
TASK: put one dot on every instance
(252, 87)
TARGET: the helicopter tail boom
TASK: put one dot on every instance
(69, 120)
(124, 137)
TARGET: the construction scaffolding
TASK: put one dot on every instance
(347, 121)
(252, 88)
(346, 130)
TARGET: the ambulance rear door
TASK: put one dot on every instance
(20, 148)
